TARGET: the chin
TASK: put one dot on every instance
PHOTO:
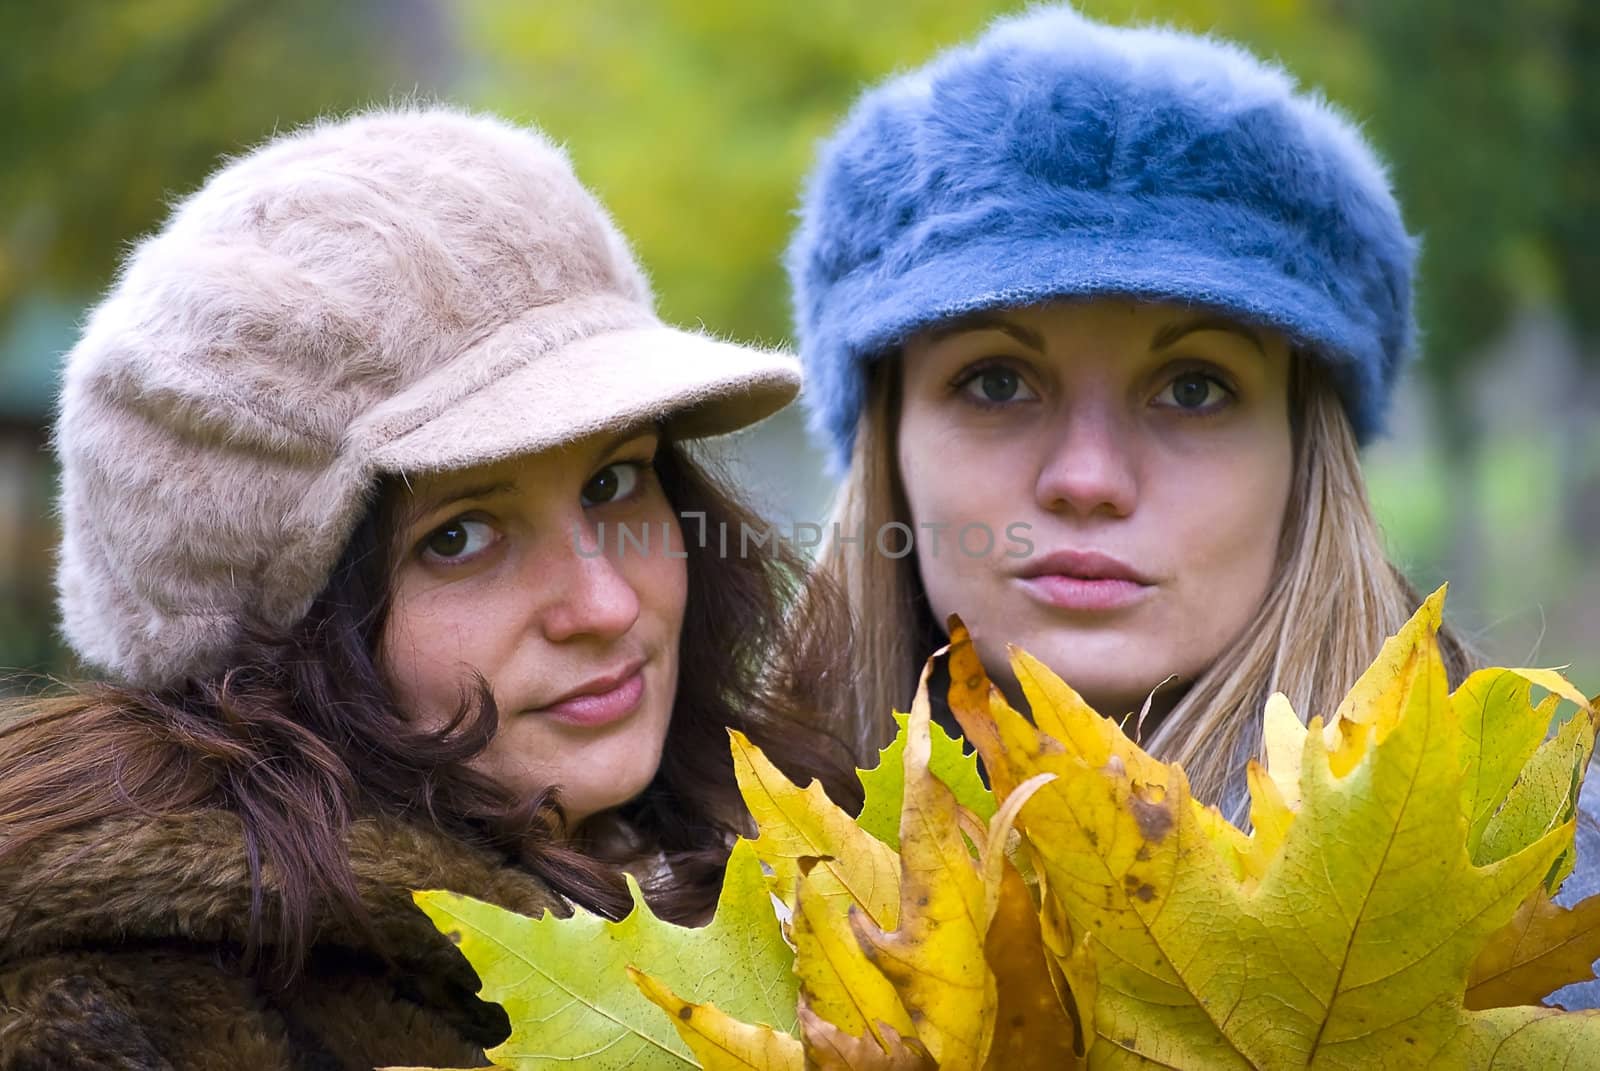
(607, 800)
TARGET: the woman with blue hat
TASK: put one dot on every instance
(1095, 321)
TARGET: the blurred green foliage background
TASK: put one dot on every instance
(695, 121)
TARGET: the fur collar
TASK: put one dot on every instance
(185, 878)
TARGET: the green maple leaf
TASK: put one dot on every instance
(1546, 796)
(885, 784)
(564, 983)
(1518, 785)
(1500, 733)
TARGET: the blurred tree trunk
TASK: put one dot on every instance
(1578, 461)
(1459, 429)
(1572, 226)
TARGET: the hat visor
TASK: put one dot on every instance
(607, 383)
(1021, 269)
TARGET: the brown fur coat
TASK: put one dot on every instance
(120, 948)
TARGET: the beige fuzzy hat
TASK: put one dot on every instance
(404, 291)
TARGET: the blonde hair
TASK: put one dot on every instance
(1333, 599)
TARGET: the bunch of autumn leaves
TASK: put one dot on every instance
(1391, 905)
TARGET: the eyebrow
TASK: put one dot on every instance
(493, 488)
(986, 321)
(487, 489)
(1172, 332)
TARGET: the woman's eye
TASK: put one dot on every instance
(612, 483)
(1194, 391)
(992, 386)
(458, 539)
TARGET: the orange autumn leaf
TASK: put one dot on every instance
(1544, 948)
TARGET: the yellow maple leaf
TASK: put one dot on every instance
(802, 826)
(935, 956)
(1351, 944)
(838, 982)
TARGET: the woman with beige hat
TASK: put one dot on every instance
(338, 451)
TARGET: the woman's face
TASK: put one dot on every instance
(1147, 450)
(501, 574)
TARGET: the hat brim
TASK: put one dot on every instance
(871, 317)
(693, 384)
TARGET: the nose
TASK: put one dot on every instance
(586, 596)
(1089, 467)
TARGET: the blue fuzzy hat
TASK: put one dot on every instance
(1058, 157)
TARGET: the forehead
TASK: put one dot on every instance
(1125, 321)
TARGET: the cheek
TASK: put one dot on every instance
(962, 492)
(425, 645)
(915, 447)
(949, 479)
(1253, 507)
(662, 587)
(660, 578)
(1227, 518)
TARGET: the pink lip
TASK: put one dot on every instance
(1083, 580)
(1083, 565)
(600, 701)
